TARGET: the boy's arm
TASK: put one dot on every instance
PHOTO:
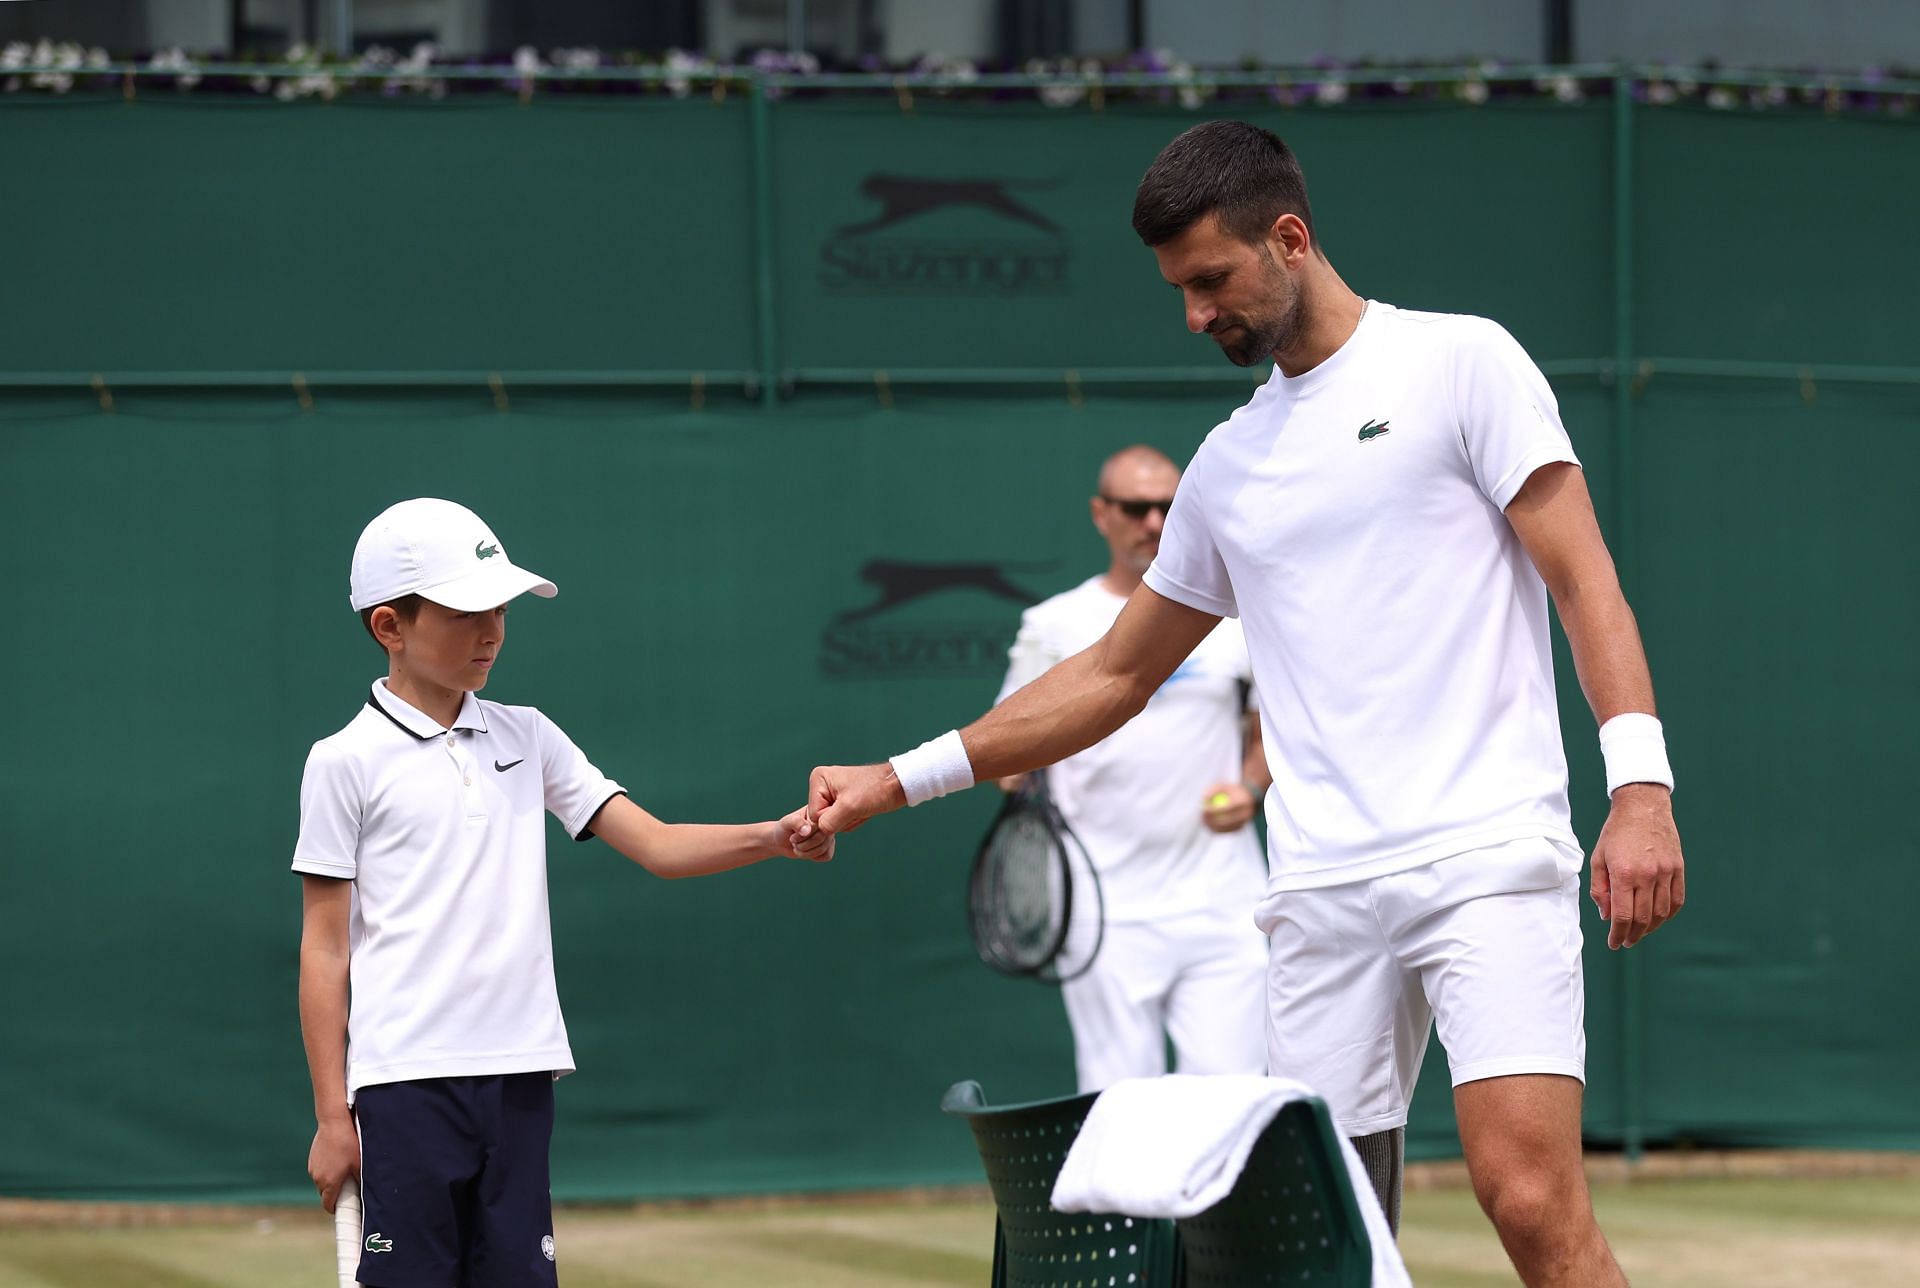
(698, 849)
(335, 1156)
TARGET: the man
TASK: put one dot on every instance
(1164, 807)
(1388, 515)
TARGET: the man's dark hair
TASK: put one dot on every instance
(1242, 173)
(407, 606)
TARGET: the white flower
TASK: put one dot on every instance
(1474, 91)
(1567, 89)
(1661, 93)
(678, 66)
(1330, 92)
(1721, 98)
(947, 68)
(526, 60)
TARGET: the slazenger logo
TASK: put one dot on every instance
(971, 636)
(1018, 250)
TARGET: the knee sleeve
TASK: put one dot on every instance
(1384, 1153)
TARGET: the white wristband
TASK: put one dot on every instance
(934, 768)
(1635, 750)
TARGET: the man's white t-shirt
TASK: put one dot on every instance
(1353, 518)
(443, 835)
(1135, 798)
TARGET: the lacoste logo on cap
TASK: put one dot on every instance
(377, 1242)
(509, 765)
(1372, 429)
(485, 551)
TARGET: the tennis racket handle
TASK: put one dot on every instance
(346, 1232)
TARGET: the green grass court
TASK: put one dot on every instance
(1859, 1232)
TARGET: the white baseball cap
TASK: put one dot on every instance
(439, 551)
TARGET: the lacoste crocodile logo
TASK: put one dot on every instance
(377, 1242)
(1372, 429)
(485, 551)
(500, 768)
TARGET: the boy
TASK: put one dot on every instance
(423, 859)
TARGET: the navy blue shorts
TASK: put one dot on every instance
(453, 1182)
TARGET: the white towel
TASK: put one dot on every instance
(1174, 1146)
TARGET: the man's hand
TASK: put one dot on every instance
(335, 1156)
(842, 797)
(1227, 807)
(797, 837)
(1639, 878)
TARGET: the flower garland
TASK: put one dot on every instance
(1153, 76)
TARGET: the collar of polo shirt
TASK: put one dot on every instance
(419, 723)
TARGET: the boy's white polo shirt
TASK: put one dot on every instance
(1353, 518)
(441, 832)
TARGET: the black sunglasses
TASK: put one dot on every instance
(1140, 509)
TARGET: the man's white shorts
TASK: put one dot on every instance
(1199, 978)
(1486, 944)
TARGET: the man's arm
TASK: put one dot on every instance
(1639, 877)
(335, 1155)
(699, 849)
(1068, 709)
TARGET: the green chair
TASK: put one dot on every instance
(1291, 1218)
(1034, 1246)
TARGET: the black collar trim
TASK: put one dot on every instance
(423, 737)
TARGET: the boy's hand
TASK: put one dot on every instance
(801, 838)
(335, 1156)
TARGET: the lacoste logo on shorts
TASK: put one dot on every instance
(377, 1242)
(509, 765)
(546, 1246)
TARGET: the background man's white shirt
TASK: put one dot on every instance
(1353, 518)
(1135, 798)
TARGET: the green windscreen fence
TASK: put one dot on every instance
(180, 632)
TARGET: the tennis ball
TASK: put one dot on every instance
(1219, 800)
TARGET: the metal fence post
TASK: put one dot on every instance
(1626, 556)
(766, 329)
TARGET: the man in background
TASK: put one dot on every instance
(1164, 807)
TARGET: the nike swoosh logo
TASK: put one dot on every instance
(509, 765)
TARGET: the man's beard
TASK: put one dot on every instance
(1261, 338)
